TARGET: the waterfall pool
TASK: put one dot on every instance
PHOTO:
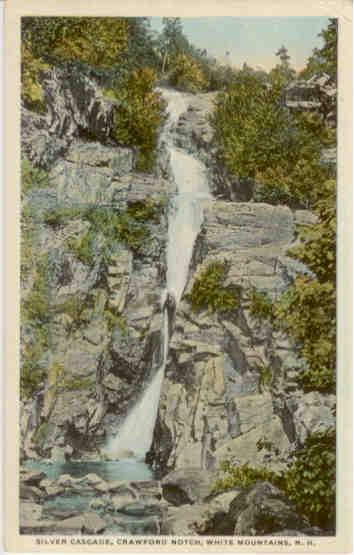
(124, 469)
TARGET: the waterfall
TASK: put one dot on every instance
(184, 221)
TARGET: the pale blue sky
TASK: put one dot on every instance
(253, 39)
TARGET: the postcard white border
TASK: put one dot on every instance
(342, 9)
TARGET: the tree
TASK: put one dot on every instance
(96, 41)
(173, 41)
(324, 60)
(142, 47)
(283, 73)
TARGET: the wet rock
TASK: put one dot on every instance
(31, 477)
(31, 493)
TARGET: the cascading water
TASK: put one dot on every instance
(184, 221)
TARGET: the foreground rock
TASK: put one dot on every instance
(261, 510)
(188, 485)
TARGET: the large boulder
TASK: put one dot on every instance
(187, 485)
(261, 510)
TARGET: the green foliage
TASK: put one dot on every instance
(260, 305)
(209, 291)
(306, 311)
(144, 211)
(73, 306)
(82, 248)
(60, 216)
(259, 139)
(31, 70)
(265, 377)
(283, 73)
(97, 41)
(115, 320)
(310, 480)
(187, 75)
(138, 115)
(33, 364)
(317, 248)
(131, 226)
(324, 60)
(76, 383)
(242, 476)
(35, 318)
(31, 177)
(35, 306)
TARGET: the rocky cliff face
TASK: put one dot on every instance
(230, 390)
(103, 294)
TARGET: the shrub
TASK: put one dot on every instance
(259, 139)
(242, 476)
(60, 216)
(260, 305)
(310, 481)
(317, 247)
(306, 311)
(265, 377)
(82, 248)
(144, 211)
(209, 292)
(115, 320)
(138, 115)
(75, 384)
(31, 177)
(73, 307)
(97, 41)
(31, 69)
(186, 74)
(36, 306)
(33, 363)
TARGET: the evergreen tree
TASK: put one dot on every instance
(324, 60)
(283, 73)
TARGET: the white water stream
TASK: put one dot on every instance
(184, 221)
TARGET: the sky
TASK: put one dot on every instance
(253, 40)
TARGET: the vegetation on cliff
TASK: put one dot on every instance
(210, 292)
(308, 481)
(138, 115)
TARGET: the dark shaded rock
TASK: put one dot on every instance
(187, 485)
(76, 105)
(31, 477)
(260, 510)
(30, 493)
